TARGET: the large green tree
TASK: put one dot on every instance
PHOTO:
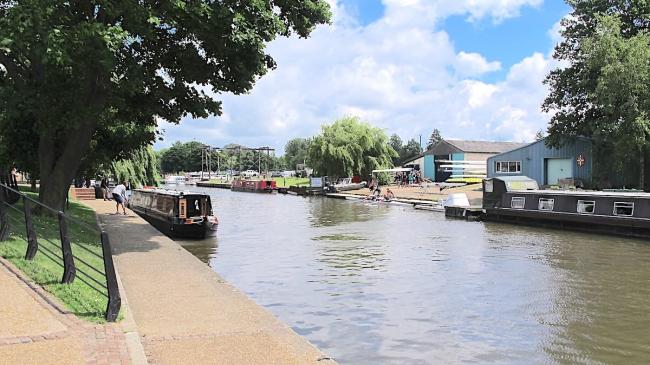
(73, 72)
(578, 99)
(295, 152)
(350, 147)
(622, 66)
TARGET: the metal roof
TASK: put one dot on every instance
(484, 146)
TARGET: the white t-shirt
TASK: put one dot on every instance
(120, 190)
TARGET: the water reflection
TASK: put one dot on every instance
(389, 285)
(202, 249)
(332, 212)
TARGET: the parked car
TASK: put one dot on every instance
(250, 173)
(276, 174)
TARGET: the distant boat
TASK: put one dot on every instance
(175, 180)
(345, 184)
(253, 185)
(176, 214)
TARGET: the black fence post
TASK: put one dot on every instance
(4, 221)
(32, 241)
(114, 300)
(69, 271)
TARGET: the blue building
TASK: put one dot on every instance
(545, 164)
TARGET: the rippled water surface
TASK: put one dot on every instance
(378, 284)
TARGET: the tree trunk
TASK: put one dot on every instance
(57, 172)
(642, 170)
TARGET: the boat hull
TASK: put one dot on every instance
(629, 227)
(194, 231)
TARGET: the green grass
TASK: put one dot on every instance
(78, 297)
(285, 182)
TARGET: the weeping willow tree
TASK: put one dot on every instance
(140, 169)
(350, 147)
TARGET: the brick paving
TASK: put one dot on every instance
(56, 336)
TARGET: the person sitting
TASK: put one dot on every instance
(389, 195)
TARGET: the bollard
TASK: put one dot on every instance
(32, 241)
(114, 300)
(69, 271)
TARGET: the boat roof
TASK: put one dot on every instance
(169, 192)
(586, 193)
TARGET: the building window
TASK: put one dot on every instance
(624, 209)
(586, 206)
(517, 202)
(508, 167)
(546, 204)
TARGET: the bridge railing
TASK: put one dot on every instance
(63, 240)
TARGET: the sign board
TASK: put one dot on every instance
(581, 160)
(316, 182)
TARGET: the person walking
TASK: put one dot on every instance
(119, 194)
(104, 186)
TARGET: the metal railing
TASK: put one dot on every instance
(75, 267)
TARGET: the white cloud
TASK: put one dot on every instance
(398, 73)
(473, 64)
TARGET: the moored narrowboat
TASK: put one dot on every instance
(254, 185)
(177, 214)
(518, 199)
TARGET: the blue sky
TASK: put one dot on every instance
(471, 68)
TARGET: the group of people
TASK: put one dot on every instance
(407, 178)
(118, 194)
(375, 192)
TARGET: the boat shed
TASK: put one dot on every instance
(457, 159)
(546, 165)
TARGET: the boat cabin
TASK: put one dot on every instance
(519, 199)
(176, 213)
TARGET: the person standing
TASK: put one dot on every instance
(104, 186)
(119, 194)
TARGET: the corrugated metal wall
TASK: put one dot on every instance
(533, 158)
(429, 168)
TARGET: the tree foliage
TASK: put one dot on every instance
(404, 151)
(141, 168)
(350, 147)
(100, 73)
(435, 138)
(296, 151)
(599, 90)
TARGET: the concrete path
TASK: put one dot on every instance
(35, 329)
(184, 312)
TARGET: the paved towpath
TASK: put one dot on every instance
(184, 312)
(36, 329)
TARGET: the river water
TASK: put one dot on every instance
(379, 284)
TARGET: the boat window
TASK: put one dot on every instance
(546, 204)
(194, 208)
(624, 209)
(586, 206)
(517, 202)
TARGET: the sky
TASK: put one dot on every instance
(473, 69)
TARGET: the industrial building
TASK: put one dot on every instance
(546, 165)
(458, 160)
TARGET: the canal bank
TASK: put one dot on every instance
(185, 312)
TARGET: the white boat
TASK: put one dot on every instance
(175, 180)
(345, 184)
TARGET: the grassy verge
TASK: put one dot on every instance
(46, 269)
(291, 181)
